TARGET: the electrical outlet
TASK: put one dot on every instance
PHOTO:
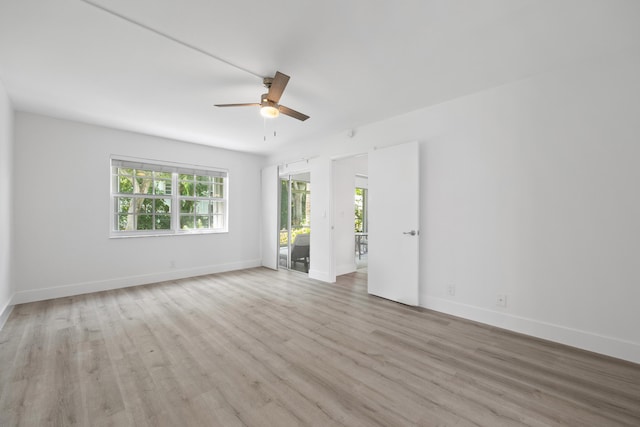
(451, 290)
(501, 300)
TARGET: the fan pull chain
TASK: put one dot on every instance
(264, 137)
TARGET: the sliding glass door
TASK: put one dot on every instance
(295, 226)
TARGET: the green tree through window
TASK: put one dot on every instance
(361, 210)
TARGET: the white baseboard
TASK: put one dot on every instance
(124, 282)
(5, 313)
(609, 346)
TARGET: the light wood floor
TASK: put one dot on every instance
(265, 348)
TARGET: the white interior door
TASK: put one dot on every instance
(394, 222)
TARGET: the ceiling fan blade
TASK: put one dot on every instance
(292, 113)
(277, 87)
(251, 104)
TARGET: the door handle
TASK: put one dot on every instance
(410, 233)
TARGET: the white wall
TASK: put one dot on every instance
(344, 185)
(6, 154)
(320, 247)
(62, 220)
(270, 185)
(531, 190)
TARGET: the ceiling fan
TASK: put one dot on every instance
(268, 104)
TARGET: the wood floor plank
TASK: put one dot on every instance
(259, 348)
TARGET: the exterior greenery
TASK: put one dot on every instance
(146, 207)
(197, 210)
(299, 209)
(361, 210)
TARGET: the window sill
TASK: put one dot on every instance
(179, 233)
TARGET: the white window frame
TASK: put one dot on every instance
(176, 169)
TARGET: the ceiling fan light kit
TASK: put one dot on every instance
(269, 112)
(269, 106)
(268, 109)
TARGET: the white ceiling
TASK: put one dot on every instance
(351, 62)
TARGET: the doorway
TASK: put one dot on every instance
(295, 222)
(351, 215)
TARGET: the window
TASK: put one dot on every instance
(202, 203)
(165, 198)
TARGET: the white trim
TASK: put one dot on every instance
(124, 282)
(141, 233)
(6, 312)
(293, 168)
(174, 166)
(589, 341)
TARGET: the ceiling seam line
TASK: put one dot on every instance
(173, 39)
